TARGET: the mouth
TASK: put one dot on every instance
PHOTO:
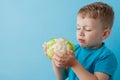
(81, 40)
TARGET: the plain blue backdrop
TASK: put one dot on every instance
(26, 24)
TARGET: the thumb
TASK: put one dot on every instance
(45, 47)
(70, 52)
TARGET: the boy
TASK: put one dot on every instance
(92, 60)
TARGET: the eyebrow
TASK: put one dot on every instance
(83, 26)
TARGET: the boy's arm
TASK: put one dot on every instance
(60, 72)
(80, 71)
(83, 74)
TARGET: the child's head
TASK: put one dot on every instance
(94, 22)
(99, 10)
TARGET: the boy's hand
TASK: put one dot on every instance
(62, 60)
(45, 47)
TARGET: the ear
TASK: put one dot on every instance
(106, 33)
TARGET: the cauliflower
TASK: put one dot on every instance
(60, 45)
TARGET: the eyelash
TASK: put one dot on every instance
(85, 29)
(78, 28)
(88, 30)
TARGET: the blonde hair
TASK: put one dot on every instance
(99, 10)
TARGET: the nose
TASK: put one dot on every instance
(81, 32)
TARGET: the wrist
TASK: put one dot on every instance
(75, 62)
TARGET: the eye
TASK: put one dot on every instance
(78, 28)
(88, 30)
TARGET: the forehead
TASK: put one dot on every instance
(82, 21)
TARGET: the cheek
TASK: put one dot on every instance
(93, 37)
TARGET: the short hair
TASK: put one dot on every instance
(99, 10)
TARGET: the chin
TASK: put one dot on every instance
(83, 45)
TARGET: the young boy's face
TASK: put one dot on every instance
(89, 32)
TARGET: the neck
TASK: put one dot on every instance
(95, 47)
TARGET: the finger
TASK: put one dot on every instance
(57, 63)
(60, 65)
(70, 52)
(59, 54)
(45, 47)
(57, 58)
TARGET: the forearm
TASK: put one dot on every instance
(61, 73)
(81, 72)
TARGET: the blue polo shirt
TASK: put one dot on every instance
(95, 60)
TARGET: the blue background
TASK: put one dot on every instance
(26, 24)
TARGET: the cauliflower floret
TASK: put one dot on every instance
(61, 45)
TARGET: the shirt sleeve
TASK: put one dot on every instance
(106, 64)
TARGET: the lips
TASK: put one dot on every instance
(81, 40)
